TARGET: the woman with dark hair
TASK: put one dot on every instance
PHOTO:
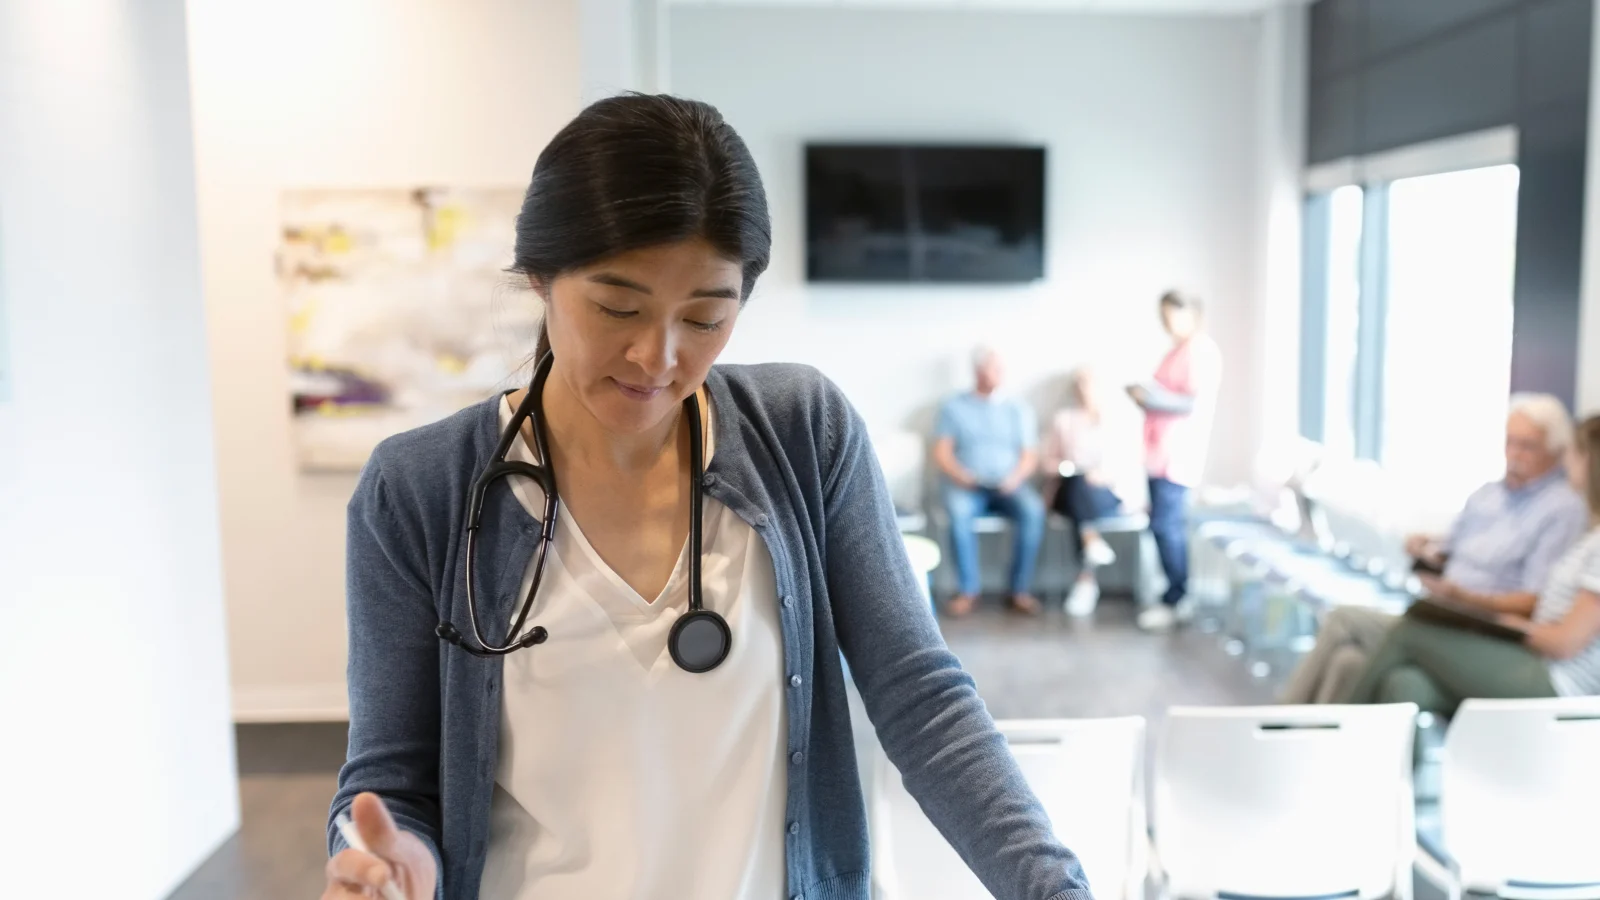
(1437, 666)
(630, 685)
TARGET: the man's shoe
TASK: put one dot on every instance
(1027, 604)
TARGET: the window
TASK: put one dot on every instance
(1331, 320)
(1406, 333)
(1447, 368)
(1343, 319)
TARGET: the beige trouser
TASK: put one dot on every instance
(1346, 642)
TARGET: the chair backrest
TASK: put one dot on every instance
(1519, 797)
(1088, 773)
(1286, 801)
(903, 457)
(1356, 501)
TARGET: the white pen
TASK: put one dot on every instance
(347, 830)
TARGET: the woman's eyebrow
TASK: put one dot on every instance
(713, 293)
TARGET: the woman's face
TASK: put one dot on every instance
(1180, 323)
(1084, 388)
(635, 334)
(1578, 468)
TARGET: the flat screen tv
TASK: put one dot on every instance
(924, 213)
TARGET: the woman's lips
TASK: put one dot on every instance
(637, 391)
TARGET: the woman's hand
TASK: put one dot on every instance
(1438, 588)
(395, 855)
(1514, 621)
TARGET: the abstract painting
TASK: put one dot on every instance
(400, 312)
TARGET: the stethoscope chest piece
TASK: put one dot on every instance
(699, 641)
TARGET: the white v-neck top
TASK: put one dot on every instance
(621, 775)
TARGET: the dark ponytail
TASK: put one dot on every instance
(637, 171)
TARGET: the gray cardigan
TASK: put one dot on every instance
(792, 460)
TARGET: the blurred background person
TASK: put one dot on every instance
(1497, 556)
(1179, 404)
(984, 445)
(1082, 487)
(1438, 666)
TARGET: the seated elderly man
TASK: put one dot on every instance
(984, 445)
(1497, 555)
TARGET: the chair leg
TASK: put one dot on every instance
(1144, 589)
(1439, 873)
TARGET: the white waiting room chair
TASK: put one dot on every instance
(1286, 802)
(1519, 800)
(1088, 774)
(903, 456)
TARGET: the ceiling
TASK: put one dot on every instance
(1154, 7)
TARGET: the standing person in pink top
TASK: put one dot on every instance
(1178, 404)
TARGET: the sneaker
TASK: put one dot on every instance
(1082, 600)
(1158, 618)
(1097, 554)
(1185, 610)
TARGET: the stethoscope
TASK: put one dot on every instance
(699, 640)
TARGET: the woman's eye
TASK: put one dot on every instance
(617, 313)
(703, 326)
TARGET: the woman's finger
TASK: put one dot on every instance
(374, 824)
(358, 870)
(339, 890)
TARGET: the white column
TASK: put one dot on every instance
(623, 46)
(385, 94)
(1588, 393)
(1280, 158)
(118, 748)
(653, 45)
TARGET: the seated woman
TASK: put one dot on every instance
(1073, 459)
(1436, 666)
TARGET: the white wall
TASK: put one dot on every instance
(610, 36)
(620, 46)
(1152, 129)
(360, 93)
(1281, 83)
(118, 751)
(1588, 394)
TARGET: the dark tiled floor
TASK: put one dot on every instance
(1025, 668)
(286, 779)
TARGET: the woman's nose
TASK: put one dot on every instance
(652, 350)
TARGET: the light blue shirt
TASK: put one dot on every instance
(1506, 540)
(990, 434)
